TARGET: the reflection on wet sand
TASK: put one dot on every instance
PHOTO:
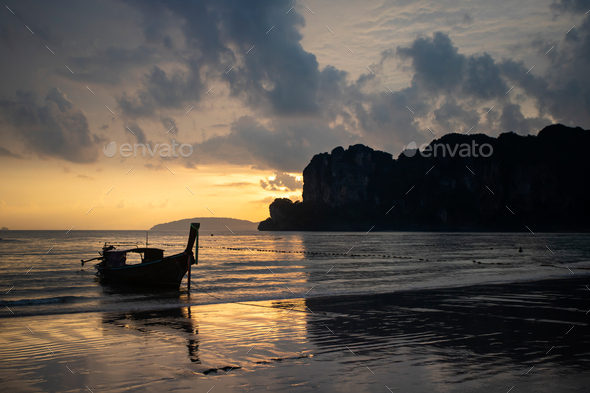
(444, 340)
(467, 334)
(117, 293)
(168, 322)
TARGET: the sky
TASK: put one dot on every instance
(95, 95)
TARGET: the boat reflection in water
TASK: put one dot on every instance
(176, 324)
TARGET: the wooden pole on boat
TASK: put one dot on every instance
(197, 246)
(195, 227)
(188, 284)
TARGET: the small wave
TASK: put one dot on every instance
(2, 240)
(48, 300)
(84, 304)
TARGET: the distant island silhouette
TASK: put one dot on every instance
(539, 182)
(4, 229)
(207, 224)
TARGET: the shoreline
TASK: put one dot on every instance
(313, 298)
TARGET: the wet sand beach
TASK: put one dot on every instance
(532, 336)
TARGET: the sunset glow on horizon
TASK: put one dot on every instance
(54, 196)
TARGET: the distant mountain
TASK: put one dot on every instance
(517, 181)
(4, 229)
(208, 224)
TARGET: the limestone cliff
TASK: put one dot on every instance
(538, 181)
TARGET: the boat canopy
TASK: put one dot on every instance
(149, 254)
(142, 250)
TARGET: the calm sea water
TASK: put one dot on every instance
(41, 274)
(346, 312)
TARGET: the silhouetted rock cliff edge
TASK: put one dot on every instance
(536, 181)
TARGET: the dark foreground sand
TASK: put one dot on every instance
(533, 336)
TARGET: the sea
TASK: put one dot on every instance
(296, 311)
(41, 272)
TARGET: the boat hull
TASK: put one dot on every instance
(167, 272)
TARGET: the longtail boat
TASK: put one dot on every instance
(154, 269)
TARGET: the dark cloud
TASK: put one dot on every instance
(561, 6)
(4, 152)
(168, 124)
(160, 91)
(438, 66)
(302, 109)
(155, 19)
(282, 181)
(563, 91)
(482, 78)
(286, 145)
(572, 35)
(332, 90)
(454, 117)
(54, 129)
(7, 36)
(445, 83)
(467, 19)
(281, 77)
(167, 40)
(109, 65)
(388, 120)
(453, 89)
(426, 16)
(512, 119)
(464, 84)
(436, 62)
(277, 77)
(516, 72)
(38, 25)
(137, 131)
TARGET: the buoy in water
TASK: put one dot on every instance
(520, 249)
